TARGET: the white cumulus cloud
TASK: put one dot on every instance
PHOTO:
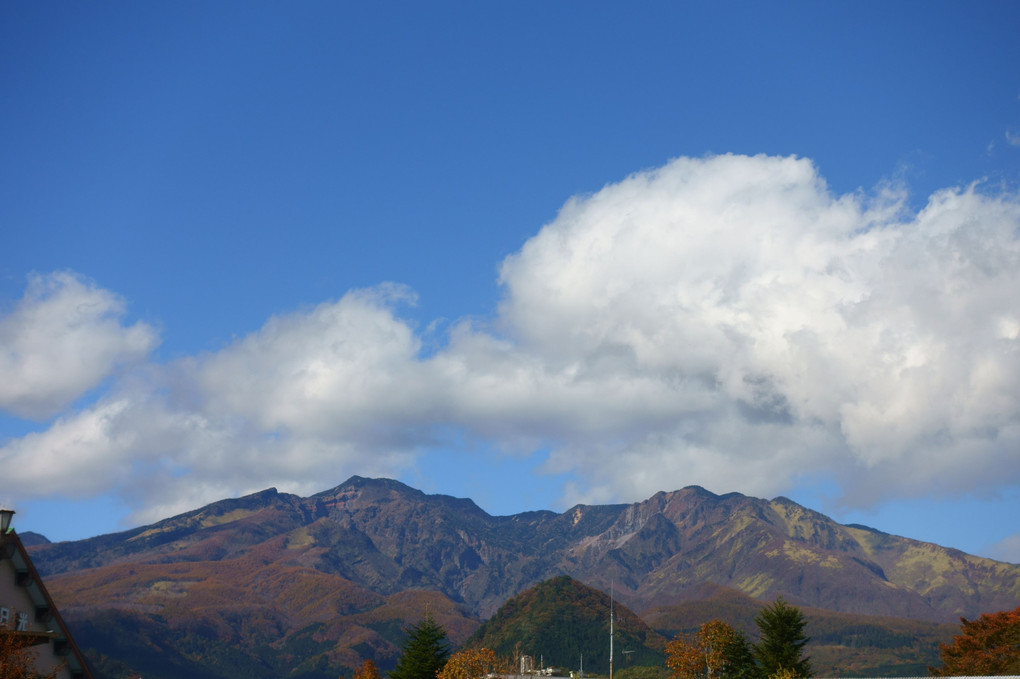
(62, 339)
(781, 329)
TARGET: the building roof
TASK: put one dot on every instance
(28, 579)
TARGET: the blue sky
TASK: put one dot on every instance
(533, 254)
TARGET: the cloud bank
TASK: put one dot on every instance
(725, 321)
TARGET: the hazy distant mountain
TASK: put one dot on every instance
(333, 573)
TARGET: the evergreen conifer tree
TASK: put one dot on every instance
(738, 660)
(780, 648)
(424, 652)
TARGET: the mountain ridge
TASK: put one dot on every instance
(388, 536)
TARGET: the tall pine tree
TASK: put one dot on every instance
(780, 647)
(424, 652)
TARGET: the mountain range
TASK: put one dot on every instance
(312, 584)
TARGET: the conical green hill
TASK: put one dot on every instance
(560, 620)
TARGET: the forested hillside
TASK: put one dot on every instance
(560, 620)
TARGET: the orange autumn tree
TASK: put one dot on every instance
(684, 657)
(987, 646)
(17, 659)
(368, 670)
(471, 663)
(703, 654)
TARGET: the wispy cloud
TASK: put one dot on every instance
(725, 321)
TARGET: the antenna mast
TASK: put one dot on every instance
(611, 629)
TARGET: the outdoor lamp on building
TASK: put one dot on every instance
(5, 520)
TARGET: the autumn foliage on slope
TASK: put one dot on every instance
(987, 646)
